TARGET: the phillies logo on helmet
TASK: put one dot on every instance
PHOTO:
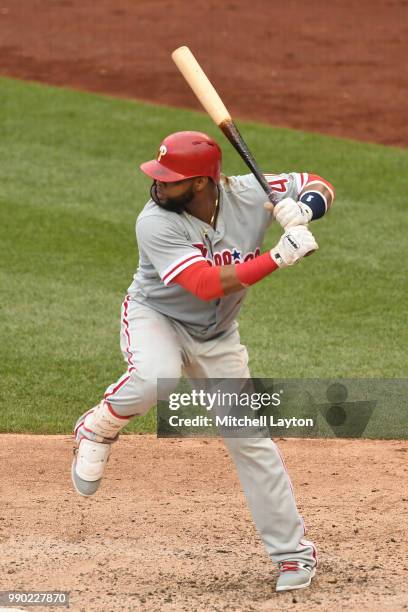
(185, 155)
(162, 151)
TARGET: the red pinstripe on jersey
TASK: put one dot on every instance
(125, 322)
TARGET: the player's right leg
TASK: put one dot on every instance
(152, 350)
(261, 469)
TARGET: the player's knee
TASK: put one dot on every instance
(162, 377)
(166, 371)
(141, 392)
(154, 388)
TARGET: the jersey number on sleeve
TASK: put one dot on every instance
(278, 185)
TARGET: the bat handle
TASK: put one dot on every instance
(234, 136)
(270, 194)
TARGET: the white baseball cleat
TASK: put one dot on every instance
(294, 575)
(88, 466)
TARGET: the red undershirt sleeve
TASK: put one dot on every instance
(204, 280)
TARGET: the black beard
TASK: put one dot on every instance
(176, 205)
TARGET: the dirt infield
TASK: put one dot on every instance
(334, 67)
(170, 529)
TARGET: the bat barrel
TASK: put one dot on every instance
(211, 101)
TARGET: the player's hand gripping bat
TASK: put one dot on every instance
(211, 101)
(205, 92)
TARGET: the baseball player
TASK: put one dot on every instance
(200, 237)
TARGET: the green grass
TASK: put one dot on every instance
(70, 191)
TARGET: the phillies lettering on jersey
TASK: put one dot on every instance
(171, 242)
(227, 256)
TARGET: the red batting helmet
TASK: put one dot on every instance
(184, 155)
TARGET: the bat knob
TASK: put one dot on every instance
(269, 206)
(310, 252)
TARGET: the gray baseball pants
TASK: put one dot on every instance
(155, 346)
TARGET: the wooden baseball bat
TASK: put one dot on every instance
(211, 101)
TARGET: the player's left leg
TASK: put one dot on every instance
(151, 350)
(261, 471)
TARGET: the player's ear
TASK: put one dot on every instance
(200, 183)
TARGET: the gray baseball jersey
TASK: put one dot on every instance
(170, 242)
